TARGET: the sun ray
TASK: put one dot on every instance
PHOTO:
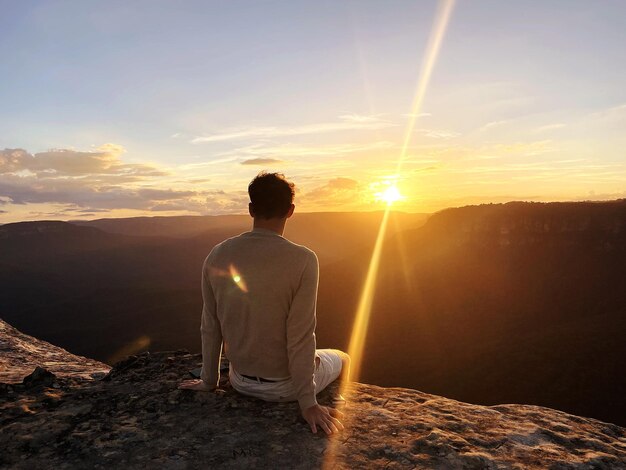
(359, 330)
(440, 25)
(362, 318)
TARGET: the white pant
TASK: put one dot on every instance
(326, 372)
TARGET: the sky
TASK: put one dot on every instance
(127, 108)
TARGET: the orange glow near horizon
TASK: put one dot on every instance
(362, 318)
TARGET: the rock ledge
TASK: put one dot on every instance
(135, 417)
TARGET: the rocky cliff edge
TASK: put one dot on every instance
(135, 417)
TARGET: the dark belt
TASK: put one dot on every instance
(260, 379)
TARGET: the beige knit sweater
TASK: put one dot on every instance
(260, 291)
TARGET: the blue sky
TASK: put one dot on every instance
(192, 99)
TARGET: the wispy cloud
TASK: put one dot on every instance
(578, 169)
(418, 161)
(262, 161)
(618, 111)
(498, 151)
(438, 133)
(362, 118)
(347, 122)
(196, 166)
(492, 125)
(550, 127)
(289, 150)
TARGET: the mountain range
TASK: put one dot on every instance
(496, 303)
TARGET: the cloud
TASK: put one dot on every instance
(195, 180)
(550, 127)
(362, 118)
(594, 196)
(222, 202)
(195, 166)
(343, 184)
(105, 161)
(495, 151)
(418, 161)
(163, 194)
(80, 197)
(438, 133)
(294, 150)
(336, 192)
(614, 112)
(492, 124)
(605, 120)
(426, 168)
(30, 190)
(13, 160)
(81, 182)
(347, 122)
(262, 161)
(527, 149)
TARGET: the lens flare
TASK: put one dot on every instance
(135, 346)
(237, 278)
(361, 322)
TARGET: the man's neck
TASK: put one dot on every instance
(275, 225)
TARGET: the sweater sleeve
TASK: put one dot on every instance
(301, 334)
(210, 332)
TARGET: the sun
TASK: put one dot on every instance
(390, 195)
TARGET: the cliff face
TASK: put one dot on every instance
(135, 417)
(594, 225)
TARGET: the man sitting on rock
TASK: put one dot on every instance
(260, 292)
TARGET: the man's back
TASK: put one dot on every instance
(261, 290)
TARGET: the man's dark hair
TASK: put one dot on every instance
(271, 195)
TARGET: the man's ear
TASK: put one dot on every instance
(250, 210)
(291, 209)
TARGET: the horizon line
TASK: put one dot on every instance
(381, 211)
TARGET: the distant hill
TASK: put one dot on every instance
(332, 235)
(177, 226)
(499, 303)
(96, 292)
(496, 303)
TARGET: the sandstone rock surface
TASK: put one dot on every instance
(21, 353)
(136, 417)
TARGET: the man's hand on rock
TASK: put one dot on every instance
(196, 384)
(324, 417)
